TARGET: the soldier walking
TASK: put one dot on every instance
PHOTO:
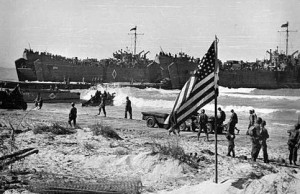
(294, 143)
(128, 108)
(203, 119)
(232, 122)
(221, 118)
(72, 115)
(102, 105)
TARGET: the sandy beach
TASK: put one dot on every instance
(89, 158)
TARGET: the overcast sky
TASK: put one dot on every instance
(97, 28)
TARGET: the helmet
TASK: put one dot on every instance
(259, 120)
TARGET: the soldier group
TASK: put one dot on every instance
(259, 135)
(256, 130)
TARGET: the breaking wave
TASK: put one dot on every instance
(293, 98)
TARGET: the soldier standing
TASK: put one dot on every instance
(293, 143)
(203, 119)
(221, 118)
(128, 108)
(232, 122)
(252, 120)
(255, 137)
(102, 105)
(264, 135)
(73, 115)
(36, 101)
(254, 115)
(230, 137)
(41, 102)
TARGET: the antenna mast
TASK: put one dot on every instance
(135, 37)
(286, 25)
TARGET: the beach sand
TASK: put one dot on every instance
(85, 158)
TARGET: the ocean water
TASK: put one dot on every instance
(8, 74)
(280, 108)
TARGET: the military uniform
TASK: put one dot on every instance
(73, 115)
(232, 122)
(203, 119)
(221, 118)
(255, 139)
(128, 108)
(41, 103)
(293, 143)
(264, 135)
(230, 137)
(102, 106)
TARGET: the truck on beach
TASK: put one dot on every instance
(158, 119)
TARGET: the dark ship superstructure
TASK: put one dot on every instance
(125, 66)
(41, 66)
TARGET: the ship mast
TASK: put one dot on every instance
(287, 39)
(135, 37)
(286, 25)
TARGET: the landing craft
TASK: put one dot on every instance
(281, 70)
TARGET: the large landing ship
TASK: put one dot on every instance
(281, 70)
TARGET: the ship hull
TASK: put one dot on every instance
(176, 70)
(261, 79)
(49, 96)
(179, 72)
(75, 73)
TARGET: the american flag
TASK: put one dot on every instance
(199, 90)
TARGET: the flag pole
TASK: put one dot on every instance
(216, 96)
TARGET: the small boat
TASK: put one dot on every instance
(95, 100)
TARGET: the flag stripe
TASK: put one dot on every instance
(199, 90)
(182, 96)
(209, 89)
(203, 81)
(199, 105)
(184, 93)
